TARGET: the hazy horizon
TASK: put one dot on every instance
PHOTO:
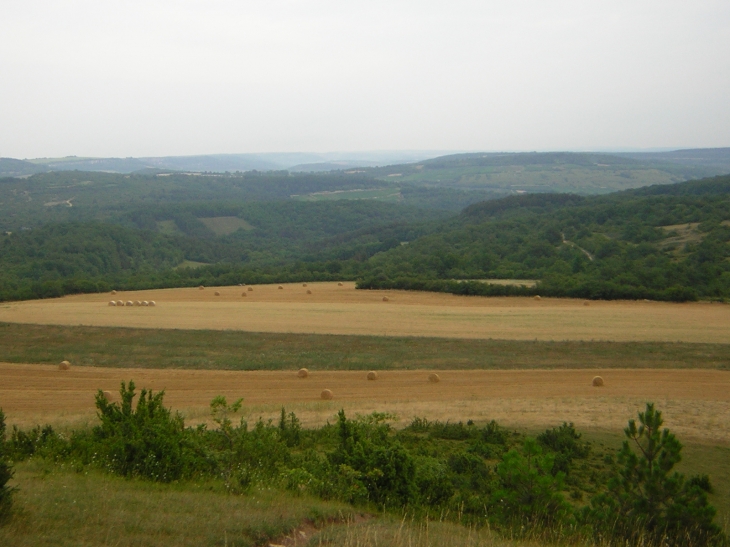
(162, 78)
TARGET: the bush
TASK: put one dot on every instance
(6, 473)
(371, 460)
(146, 441)
(528, 496)
(646, 502)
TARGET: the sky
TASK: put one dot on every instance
(156, 77)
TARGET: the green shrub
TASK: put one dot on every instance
(646, 501)
(370, 459)
(528, 495)
(6, 473)
(146, 441)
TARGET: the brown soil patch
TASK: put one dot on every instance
(696, 403)
(333, 309)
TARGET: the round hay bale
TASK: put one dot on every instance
(339, 284)
(537, 297)
(309, 292)
(130, 303)
(138, 303)
(597, 381)
(281, 287)
(216, 293)
(250, 289)
(201, 288)
(120, 303)
(112, 303)
(386, 299)
(152, 303)
(145, 303)
(586, 303)
(326, 395)
(304, 284)
(303, 373)
(64, 365)
(243, 294)
(107, 395)
(434, 378)
(372, 375)
(114, 292)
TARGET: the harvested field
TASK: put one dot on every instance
(696, 403)
(334, 309)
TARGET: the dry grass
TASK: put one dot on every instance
(385, 532)
(696, 402)
(343, 310)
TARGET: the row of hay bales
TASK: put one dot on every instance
(143, 303)
(432, 377)
(371, 376)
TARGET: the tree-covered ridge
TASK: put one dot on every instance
(667, 243)
(629, 245)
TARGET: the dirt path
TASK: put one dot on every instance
(333, 309)
(696, 403)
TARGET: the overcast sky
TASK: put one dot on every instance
(133, 78)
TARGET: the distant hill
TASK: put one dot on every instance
(575, 172)
(221, 163)
(664, 242)
(10, 167)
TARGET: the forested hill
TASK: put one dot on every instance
(664, 242)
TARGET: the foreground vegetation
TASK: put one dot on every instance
(554, 486)
(205, 349)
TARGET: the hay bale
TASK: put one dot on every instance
(201, 288)
(586, 303)
(386, 299)
(112, 303)
(537, 297)
(304, 284)
(309, 292)
(152, 303)
(434, 378)
(107, 395)
(64, 365)
(243, 294)
(120, 303)
(145, 303)
(326, 395)
(597, 381)
(114, 292)
(138, 303)
(250, 289)
(372, 375)
(281, 287)
(216, 293)
(303, 373)
(339, 284)
(130, 303)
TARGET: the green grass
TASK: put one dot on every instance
(229, 350)
(57, 507)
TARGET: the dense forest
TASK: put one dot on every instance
(82, 232)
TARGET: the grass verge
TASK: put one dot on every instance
(229, 350)
(59, 507)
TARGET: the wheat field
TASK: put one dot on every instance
(333, 309)
(692, 400)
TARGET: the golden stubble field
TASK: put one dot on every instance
(695, 403)
(333, 309)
